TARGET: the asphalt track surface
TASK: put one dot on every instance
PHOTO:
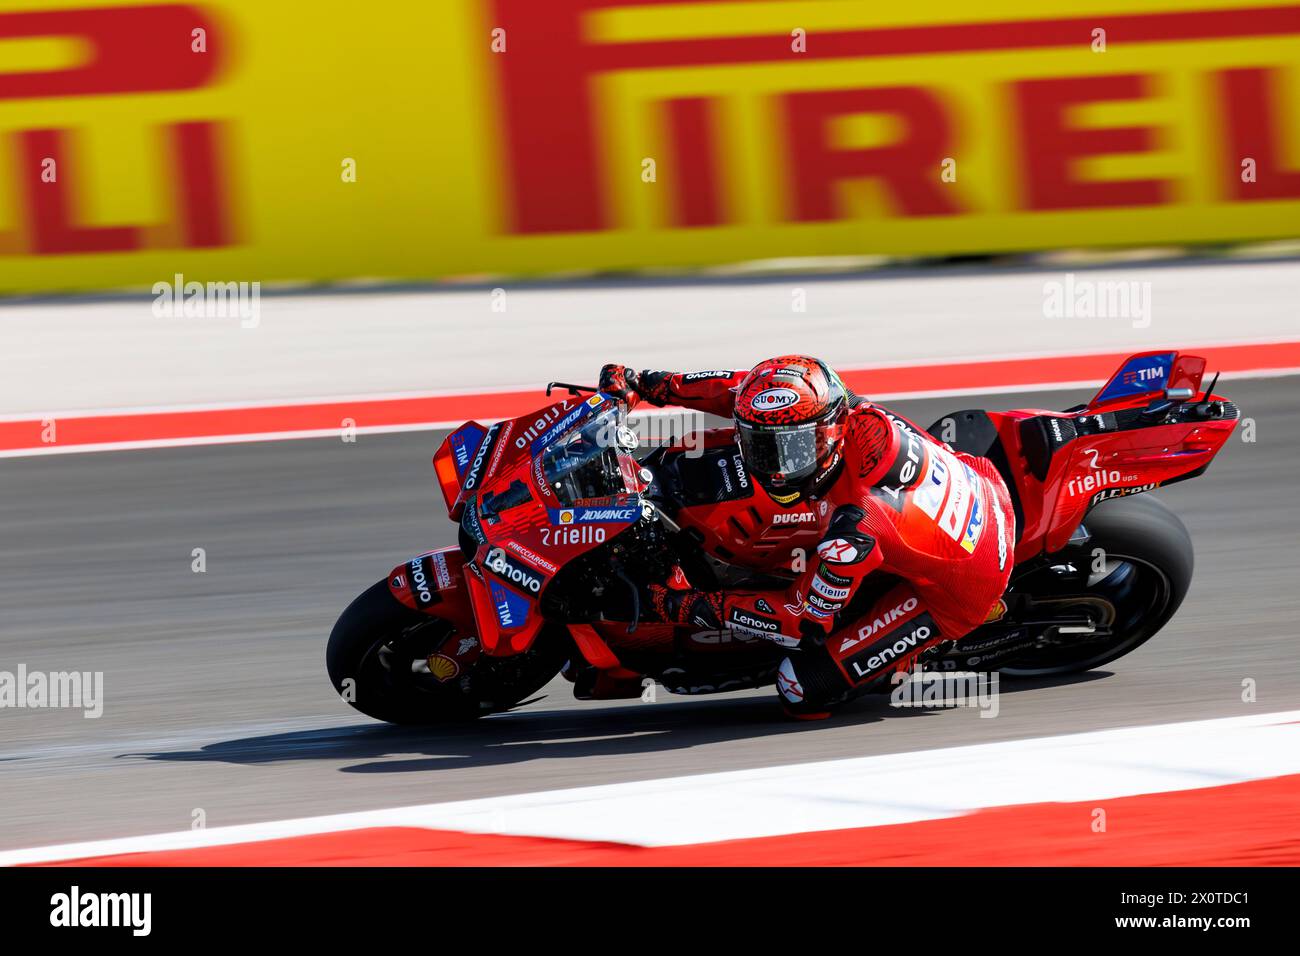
(216, 698)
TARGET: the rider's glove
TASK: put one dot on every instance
(687, 607)
(619, 381)
(655, 387)
(622, 382)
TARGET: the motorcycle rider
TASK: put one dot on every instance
(897, 501)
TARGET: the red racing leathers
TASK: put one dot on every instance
(900, 502)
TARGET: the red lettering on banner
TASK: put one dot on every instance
(909, 167)
(201, 193)
(552, 151)
(549, 133)
(49, 206)
(133, 50)
(1050, 145)
(694, 172)
(201, 197)
(1252, 121)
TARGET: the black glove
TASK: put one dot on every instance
(619, 381)
(701, 609)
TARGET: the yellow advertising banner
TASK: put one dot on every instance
(278, 141)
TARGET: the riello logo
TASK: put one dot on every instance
(128, 51)
(1091, 482)
(553, 134)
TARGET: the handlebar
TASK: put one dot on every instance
(572, 389)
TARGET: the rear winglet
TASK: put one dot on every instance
(1151, 374)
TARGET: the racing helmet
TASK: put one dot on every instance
(790, 414)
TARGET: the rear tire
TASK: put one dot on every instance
(1141, 531)
(376, 649)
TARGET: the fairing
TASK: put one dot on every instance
(1065, 463)
(535, 493)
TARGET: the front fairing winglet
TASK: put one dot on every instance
(496, 640)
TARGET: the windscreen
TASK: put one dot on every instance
(584, 462)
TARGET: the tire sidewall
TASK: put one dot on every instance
(1141, 528)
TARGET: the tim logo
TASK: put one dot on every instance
(1141, 375)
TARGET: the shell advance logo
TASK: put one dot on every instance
(773, 398)
(593, 515)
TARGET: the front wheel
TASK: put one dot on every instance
(378, 661)
(1116, 591)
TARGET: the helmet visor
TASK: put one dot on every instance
(787, 453)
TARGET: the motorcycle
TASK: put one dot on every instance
(560, 523)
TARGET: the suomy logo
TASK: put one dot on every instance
(774, 398)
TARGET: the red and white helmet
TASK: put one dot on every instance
(790, 414)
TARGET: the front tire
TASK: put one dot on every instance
(377, 661)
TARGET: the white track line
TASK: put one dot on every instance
(826, 795)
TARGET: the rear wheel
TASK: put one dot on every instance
(1116, 591)
(378, 660)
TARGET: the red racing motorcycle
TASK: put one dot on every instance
(562, 519)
